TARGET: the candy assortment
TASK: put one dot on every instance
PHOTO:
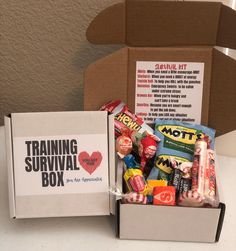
(173, 164)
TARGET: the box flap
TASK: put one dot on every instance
(226, 35)
(9, 151)
(223, 93)
(225, 144)
(108, 26)
(164, 23)
(98, 80)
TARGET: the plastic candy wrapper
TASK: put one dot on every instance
(123, 145)
(164, 195)
(135, 181)
(186, 168)
(210, 180)
(185, 185)
(124, 118)
(180, 176)
(130, 161)
(190, 199)
(147, 150)
(137, 137)
(175, 179)
(155, 183)
(145, 145)
(199, 166)
(165, 167)
(134, 198)
(203, 185)
(177, 142)
(131, 197)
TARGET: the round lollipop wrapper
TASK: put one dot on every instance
(123, 146)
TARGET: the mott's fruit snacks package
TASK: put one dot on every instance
(177, 143)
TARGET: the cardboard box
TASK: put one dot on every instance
(174, 42)
(188, 31)
(59, 163)
(169, 223)
(32, 194)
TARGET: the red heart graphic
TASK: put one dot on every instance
(90, 163)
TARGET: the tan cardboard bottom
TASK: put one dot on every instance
(170, 223)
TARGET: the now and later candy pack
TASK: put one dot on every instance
(177, 142)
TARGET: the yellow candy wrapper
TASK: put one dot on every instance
(135, 181)
(155, 183)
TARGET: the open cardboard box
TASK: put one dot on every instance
(187, 30)
(166, 32)
(172, 223)
(28, 198)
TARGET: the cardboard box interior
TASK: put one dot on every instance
(190, 34)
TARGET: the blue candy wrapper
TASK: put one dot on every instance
(177, 142)
(130, 161)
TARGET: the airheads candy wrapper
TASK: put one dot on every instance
(177, 142)
(124, 118)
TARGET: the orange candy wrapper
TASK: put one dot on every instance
(164, 195)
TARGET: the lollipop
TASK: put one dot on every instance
(147, 149)
(123, 145)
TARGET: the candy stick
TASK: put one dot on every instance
(210, 179)
(199, 166)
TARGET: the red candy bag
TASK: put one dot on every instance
(124, 118)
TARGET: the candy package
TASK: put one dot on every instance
(210, 180)
(203, 180)
(124, 118)
(130, 197)
(134, 198)
(130, 162)
(177, 142)
(135, 181)
(164, 195)
(123, 145)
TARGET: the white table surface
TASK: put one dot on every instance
(98, 233)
